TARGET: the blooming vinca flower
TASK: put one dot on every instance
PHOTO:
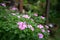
(19, 23)
(46, 26)
(48, 31)
(22, 25)
(35, 14)
(26, 16)
(40, 35)
(40, 26)
(13, 8)
(42, 30)
(3, 4)
(30, 26)
(42, 17)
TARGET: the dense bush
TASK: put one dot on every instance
(17, 26)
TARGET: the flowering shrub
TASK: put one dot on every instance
(16, 26)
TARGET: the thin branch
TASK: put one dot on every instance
(21, 5)
(47, 11)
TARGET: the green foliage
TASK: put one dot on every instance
(32, 1)
(35, 5)
(36, 19)
(1, 1)
(54, 12)
(9, 30)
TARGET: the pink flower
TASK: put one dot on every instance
(3, 4)
(48, 31)
(46, 26)
(40, 35)
(26, 16)
(42, 17)
(42, 30)
(35, 14)
(13, 8)
(21, 28)
(40, 26)
(22, 25)
(30, 26)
